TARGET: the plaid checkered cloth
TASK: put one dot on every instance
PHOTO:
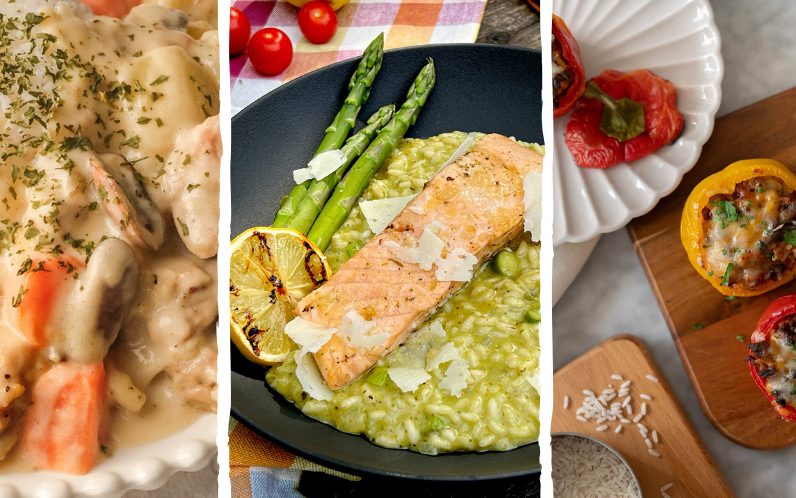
(259, 468)
(405, 23)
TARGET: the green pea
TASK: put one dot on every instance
(352, 248)
(533, 315)
(506, 263)
(378, 377)
(436, 422)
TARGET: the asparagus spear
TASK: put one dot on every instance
(347, 192)
(337, 132)
(319, 190)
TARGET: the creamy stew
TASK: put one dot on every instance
(109, 214)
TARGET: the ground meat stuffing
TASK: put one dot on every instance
(773, 360)
(562, 80)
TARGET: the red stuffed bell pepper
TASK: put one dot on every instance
(772, 355)
(623, 117)
(569, 76)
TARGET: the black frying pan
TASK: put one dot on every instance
(486, 88)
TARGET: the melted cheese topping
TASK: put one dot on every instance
(782, 357)
(111, 152)
(744, 233)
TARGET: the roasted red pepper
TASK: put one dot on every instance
(772, 364)
(569, 76)
(601, 136)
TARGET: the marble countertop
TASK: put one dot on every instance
(612, 296)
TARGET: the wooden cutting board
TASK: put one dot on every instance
(712, 355)
(684, 460)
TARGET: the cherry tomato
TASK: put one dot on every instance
(270, 51)
(239, 31)
(317, 21)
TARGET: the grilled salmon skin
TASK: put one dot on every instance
(478, 199)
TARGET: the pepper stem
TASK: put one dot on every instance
(622, 119)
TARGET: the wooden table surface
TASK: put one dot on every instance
(506, 22)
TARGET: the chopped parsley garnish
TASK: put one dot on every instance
(187, 160)
(789, 236)
(731, 298)
(25, 266)
(161, 79)
(144, 120)
(16, 301)
(739, 337)
(726, 210)
(727, 273)
(760, 189)
(133, 142)
(185, 231)
(193, 186)
(699, 326)
(710, 274)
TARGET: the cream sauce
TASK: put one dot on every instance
(101, 116)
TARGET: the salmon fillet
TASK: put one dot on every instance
(478, 199)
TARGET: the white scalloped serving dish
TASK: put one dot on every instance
(677, 40)
(145, 467)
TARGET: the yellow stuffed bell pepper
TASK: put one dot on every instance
(739, 227)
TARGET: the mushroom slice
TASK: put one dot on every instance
(125, 199)
(98, 306)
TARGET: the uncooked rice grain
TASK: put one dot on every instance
(585, 469)
(652, 378)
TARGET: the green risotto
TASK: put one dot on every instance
(492, 321)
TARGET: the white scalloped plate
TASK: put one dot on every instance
(677, 40)
(146, 467)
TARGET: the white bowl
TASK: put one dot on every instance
(677, 40)
(145, 467)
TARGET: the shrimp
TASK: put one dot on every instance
(125, 199)
(111, 8)
(191, 184)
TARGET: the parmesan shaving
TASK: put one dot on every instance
(321, 166)
(310, 377)
(408, 379)
(308, 335)
(355, 330)
(429, 248)
(532, 195)
(448, 352)
(406, 254)
(456, 267)
(302, 175)
(456, 375)
(379, 213)
(436, 328)
(417, 210)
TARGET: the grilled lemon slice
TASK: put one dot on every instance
(271, 270)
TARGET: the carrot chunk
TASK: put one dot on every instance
(42, 287)
(112, 8)
(62, 428)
